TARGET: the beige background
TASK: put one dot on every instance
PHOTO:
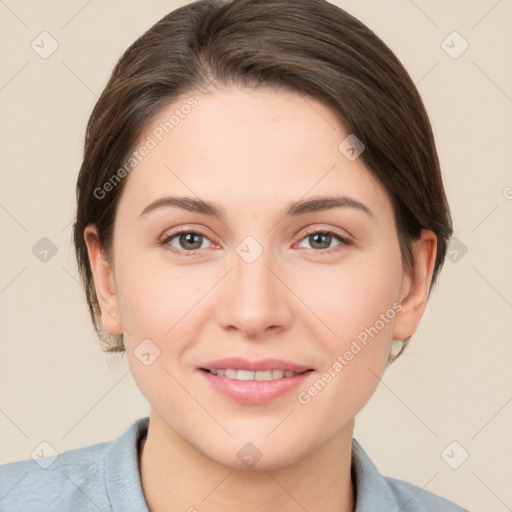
(453, 384)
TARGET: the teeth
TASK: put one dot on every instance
(264, 375)
(251, 375)
(278, 374)
(244, 375)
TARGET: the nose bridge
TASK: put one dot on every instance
(255, 299)
(252, 280)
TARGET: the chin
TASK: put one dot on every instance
(268, 461)
(259, 455)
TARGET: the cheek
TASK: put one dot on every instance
(360, 313)
(153, 295)
(353, 295)
(155, 303)
(166, 305)
(362, 307)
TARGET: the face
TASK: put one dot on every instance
(317, 288)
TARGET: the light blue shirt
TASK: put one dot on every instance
(105, 478)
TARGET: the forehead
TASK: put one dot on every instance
(250, 148)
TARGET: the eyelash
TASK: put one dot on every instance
(344, 241)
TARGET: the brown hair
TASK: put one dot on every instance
(310, 47)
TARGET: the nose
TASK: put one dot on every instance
(255, 298)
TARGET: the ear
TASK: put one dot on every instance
(415, 288)
(103, 282)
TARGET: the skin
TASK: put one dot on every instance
(253, 152)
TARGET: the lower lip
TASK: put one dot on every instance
(254, 391)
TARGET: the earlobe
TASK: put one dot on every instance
(416, 287)
(103, 282)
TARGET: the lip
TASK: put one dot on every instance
(237, 363)
(253, 391)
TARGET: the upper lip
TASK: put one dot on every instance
(238, 363)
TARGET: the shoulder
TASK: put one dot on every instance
(412, 498)
(377, 492)
(74, 477)
(99, 477)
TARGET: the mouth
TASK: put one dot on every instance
(254, 382)
(260, 375)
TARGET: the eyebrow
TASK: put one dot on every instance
(294, 209)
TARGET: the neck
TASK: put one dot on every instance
(176, 477)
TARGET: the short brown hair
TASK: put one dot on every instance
(310, 47)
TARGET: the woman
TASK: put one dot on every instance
(260, 221)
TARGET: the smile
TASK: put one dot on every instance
(253, 387)
(232, 373)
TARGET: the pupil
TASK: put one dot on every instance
(322, 235)
(188, 238)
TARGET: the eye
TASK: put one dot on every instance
(321, 240)
(189, 241)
